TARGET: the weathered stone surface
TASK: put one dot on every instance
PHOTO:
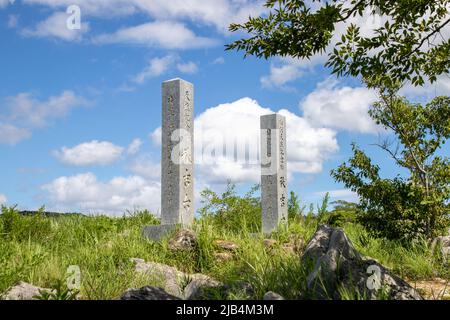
(183, 240)
(199, 284)
(148, 293)
(272, 296)
(270, 243)
(226, 245)
(167, 277)
(172, 280)
(177, 176)
(274, 197)
(336, 264)
(444, 243)
(158, 232)
(222, 257)
(23, 291)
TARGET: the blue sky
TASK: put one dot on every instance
(80, 109)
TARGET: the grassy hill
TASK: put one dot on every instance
(38, 249)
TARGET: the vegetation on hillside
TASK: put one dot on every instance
(39, 249)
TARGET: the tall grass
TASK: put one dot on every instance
(39, 249)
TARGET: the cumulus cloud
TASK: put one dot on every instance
(161, 34)
(284, 70)
(160, 65)
(90, 154)
(3, 199)
(217, 13)
(227, 142)
(146, 167)
(86, 193)
(10, 134)
(429, 90)
(340, 107)
(134, 146)
(23, 113)
(219, 60)
(280, 75)
(340, 194)
(155, 67)
(55, 26)
(188, 67)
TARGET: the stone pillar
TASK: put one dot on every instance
(177, 159)
(274, 197)
(177, 183)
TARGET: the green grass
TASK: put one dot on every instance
(38, 250)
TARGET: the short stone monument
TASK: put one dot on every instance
(177, 159)
(274, 197)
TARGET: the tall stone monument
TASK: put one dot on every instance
(274, 197)
(177, 158)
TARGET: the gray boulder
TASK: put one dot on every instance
(444, 243)
(167, 277)
(338, 267)
(199, 284)
(269, 296)
(183, 240)
(23, 291)
(148, 293)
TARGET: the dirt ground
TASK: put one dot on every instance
(435, 289)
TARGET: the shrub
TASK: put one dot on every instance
(232, 212)
(24, 227)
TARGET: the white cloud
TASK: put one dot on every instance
(99, 8)
(23, 113)
(25, 109)
(90, 154)
(155, 67)
(280, 75)
(427, 92)
(286, 69)
(237, 125)
(55, 26)
(217, 13)
(160, 65)
(10, 134)
(84, 192)
(219, 60)
(3, 199)
(340, 194)
(144, 166)
(4, 3)
(13, 21)
(344, 108)
(134, 146)
(188, 67)
(161, 34)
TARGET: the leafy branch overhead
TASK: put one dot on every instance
(409, 45)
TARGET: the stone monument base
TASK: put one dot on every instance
(158, 232)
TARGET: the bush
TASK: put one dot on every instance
(232, 212)
(19, 227)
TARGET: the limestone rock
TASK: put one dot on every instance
(168, 277)
(183, 240)
(269, 243)
(337, 265)
(23, 291)
(148, 293)
(226, 245)
(172, 281)
(199, 284)
(222, 257)
(272, 296)
(444, 243)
